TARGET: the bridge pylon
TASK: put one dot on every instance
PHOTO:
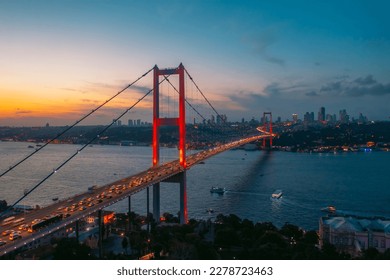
(177, 121)
(267, 125)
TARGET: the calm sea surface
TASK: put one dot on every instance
(356, 183)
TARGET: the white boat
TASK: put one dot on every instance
(277, 194)
(217, 190)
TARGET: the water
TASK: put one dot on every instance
(356, 183)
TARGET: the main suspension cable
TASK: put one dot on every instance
(223, 119)
(73, 125)
(77, 152)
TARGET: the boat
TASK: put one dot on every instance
(217, 190)
(277, 194)
(55, 198)
(329, 209)
(30, 147)
(210, 210)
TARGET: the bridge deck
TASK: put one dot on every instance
(107, 195)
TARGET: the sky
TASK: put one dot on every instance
(61, 59)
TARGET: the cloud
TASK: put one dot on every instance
(90, 101)
(119, 86)
(141, 89)
(275, 89)
(272, 89)
(362, 86)
(23, 112)
(311, 93)
(332, 87)
(369, 80)
(72, 89)
(376, 90)
(261, 43)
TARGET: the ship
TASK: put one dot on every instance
(217, 190)
(329, 209)
(277, 194)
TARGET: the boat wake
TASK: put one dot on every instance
(247, 193)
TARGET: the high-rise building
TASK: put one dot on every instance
(130, 123)
(321, 114)
(344, 118)
(330, 118)
(295, 118)
(308, 117)
(221, 119)
(362, 118)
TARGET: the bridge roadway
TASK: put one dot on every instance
(73, 209)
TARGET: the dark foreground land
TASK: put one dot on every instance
(228, 237)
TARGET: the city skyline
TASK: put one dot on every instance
(62, 59)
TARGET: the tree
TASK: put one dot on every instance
(371, 254)
(71, 249)
(125, 243)
(310, 237)
(3, 205)
(291, 231)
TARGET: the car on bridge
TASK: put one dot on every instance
(15, 235)
(36, 221)
(23, 227)
(7, 232)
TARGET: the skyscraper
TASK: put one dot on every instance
(295, 118)
(308, 117)
(321, 114)
(344, 118)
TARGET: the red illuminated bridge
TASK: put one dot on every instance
(68, 212)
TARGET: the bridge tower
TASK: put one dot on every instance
(178, 121)
(267, 125)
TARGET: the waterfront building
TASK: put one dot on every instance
(354, 234)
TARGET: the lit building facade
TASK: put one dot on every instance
(354, 234)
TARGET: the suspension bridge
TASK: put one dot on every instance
(68, 212)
